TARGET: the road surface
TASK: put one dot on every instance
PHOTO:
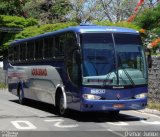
(39, 119)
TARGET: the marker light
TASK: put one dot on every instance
(91, 97)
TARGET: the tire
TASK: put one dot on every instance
(21, 96)
(61, 109)
(114, 113)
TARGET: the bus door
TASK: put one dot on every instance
(73, 63)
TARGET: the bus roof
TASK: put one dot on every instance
(81, 29)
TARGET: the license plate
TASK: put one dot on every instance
(118, 105)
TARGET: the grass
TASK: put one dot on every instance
(2, 85)
(156, 54)
(153, 105)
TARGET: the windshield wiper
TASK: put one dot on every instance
(125, 71)
(129, 77)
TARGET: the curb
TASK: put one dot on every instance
(150, 111)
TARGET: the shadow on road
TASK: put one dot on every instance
(83, 116)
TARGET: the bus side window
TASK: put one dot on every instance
(48, 47)
(39, 49)
(60, 45)
(16, 52)
(73, 66)
(11, 54)
(23, 51)
(30, 50)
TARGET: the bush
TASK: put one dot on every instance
(36, 30)
(149, 19)
(16, 22)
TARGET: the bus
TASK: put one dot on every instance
(86, 68)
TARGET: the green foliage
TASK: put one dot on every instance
(12, 7)
(154, 105)
(149, 19)
(3, 86)
(13, 22)
(156, 30)
(34, 30)
(16, 22)
(119, 24)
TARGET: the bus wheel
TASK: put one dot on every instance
(61, 109)
(21, 96)
(115, 113)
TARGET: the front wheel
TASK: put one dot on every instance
(61, 106)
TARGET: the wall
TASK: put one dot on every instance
(154, 80)
(2, 75)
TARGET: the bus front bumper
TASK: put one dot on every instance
(113, 105)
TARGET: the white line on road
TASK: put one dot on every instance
(118, 123)
(58, 123)
(116, 133)
(151, 123)
(26, 125)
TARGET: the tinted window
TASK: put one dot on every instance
(129, 51)
(23, 51)
(98, 54)
(11, 54)
(16, 52)
(71, 42)
(48, 47)
(39, 49)
(30, 50)
(60, 45)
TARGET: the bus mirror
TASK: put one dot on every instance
(149, 57)
(149, 60)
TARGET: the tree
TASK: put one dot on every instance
(117, 10)
(9, 27)
(47, 11)
(141, 6)
(12, 7)
(149, 20)
(83, 11)
(112, 10)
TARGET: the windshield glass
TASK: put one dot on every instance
(108, 61)
(130, 58)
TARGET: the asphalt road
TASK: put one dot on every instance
(39, 119)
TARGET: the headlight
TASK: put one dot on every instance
(91, 97)
(142, 95)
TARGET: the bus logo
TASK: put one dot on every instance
(118, 96)
(39, 72)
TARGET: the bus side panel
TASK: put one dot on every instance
(16, 75)
(39, 82)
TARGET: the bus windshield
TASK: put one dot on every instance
(113, 59)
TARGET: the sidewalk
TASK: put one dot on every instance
(150, 111)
